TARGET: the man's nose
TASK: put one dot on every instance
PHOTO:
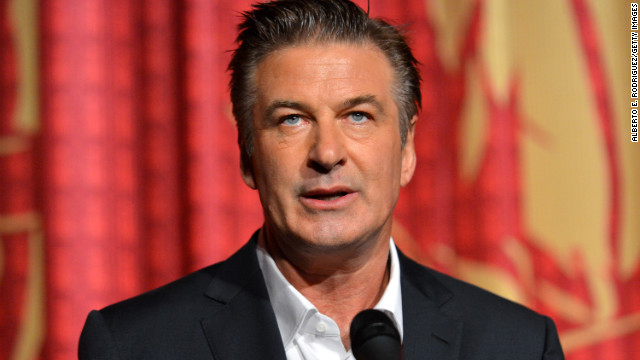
(327, 151)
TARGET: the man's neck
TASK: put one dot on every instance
(339, 284)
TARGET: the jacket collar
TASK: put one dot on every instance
(429, 332)
(242, 324)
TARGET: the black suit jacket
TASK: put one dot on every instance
(223, 312)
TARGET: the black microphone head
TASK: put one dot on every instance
(374, 336)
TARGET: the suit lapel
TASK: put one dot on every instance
(429, 333)
(242, 324)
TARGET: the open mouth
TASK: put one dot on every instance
(327, 194)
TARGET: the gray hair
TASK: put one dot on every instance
(272, 26)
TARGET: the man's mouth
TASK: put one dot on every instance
(328, 198)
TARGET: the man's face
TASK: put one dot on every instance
(328, 162)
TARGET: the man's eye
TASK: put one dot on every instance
(292, 120)
(358, 117)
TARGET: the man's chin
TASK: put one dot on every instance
(331, 240)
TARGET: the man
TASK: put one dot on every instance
(326, 103)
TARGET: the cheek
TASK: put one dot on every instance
(383, 159)
(271, 184)
(277, 167)
(382, 175)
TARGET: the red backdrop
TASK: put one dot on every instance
(119, 169)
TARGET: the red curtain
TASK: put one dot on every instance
(119, 169)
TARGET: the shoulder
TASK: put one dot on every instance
(474, 303)
(191, 296)
(469, 301)
(487, 323)
(176, 299)
(159, 324)
(477, 309)
(166, 323)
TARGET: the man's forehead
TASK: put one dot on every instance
(337, 71)
(328, 56)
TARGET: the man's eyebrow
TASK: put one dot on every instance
(347, 104)
(276, 104)
(364, 99)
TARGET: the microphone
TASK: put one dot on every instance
(374, 336)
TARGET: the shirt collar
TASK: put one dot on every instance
(292, 308)
(391, 300)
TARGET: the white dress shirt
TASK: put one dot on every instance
(306, 333)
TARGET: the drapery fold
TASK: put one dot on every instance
(119, 168)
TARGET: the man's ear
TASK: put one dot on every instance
(409, 154)
(247, 173)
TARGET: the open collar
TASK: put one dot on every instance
(243, 326)
(292, 309)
